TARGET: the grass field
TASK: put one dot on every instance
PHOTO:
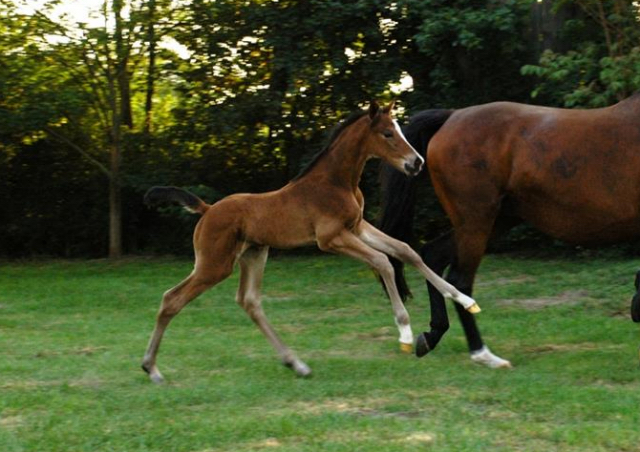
(72, 336)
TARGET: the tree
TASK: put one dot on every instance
(79, 92)
(464, 52)
(603, 67)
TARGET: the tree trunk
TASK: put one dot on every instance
(115, 212)
(120, 113)
(122, 67)
(148, 105)
(115, 196)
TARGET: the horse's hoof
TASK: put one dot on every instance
(485, 357)
(635, 308)
(422, 346)
(474, 308)
(406, 348)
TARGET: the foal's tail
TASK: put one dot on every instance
(399, 190)
(175, 195)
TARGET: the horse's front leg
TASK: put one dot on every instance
(349, 244)
(403, 252)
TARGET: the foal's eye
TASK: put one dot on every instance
(387, 134)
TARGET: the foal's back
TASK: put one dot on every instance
(284, 218)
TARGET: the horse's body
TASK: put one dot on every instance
(572, 174)
(323, 205)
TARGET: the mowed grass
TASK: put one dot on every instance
(72, 336)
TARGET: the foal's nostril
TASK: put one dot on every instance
(413, 168)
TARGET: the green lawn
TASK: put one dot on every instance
(72, 336)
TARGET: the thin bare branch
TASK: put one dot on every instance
(80, 149)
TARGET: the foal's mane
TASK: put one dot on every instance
(337, 130)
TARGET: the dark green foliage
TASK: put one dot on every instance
(603, 64)
(470, 51)
(258, 92)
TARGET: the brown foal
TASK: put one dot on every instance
(322, 205)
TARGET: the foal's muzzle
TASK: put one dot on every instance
(413, 168)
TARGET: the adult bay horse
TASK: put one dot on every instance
(322, 205)
(572, 174)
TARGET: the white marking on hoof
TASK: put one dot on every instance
(468, 302)
(157, 378)
(486, 358)
(154, 374)
(301, 369)
(406, 334)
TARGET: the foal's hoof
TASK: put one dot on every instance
(300, 368)
(474, 308)
(406, 348)
(422, 346)
(154, 374)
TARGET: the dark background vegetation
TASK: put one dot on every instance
(91, 116)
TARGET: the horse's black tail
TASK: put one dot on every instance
(175, 195)
(399, 190)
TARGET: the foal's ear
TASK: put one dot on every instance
(386, 110)
(374, 108)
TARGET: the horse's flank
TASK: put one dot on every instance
(573, 174)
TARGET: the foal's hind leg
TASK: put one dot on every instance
(202, 278)
(252, 264)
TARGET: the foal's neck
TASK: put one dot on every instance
(345, 159)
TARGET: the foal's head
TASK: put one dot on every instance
(386, 140)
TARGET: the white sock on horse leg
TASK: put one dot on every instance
(486, 358)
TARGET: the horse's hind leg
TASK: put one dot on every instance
(252, 264)
(172, 303)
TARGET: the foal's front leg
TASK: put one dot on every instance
(403, 252)
(350, 245)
